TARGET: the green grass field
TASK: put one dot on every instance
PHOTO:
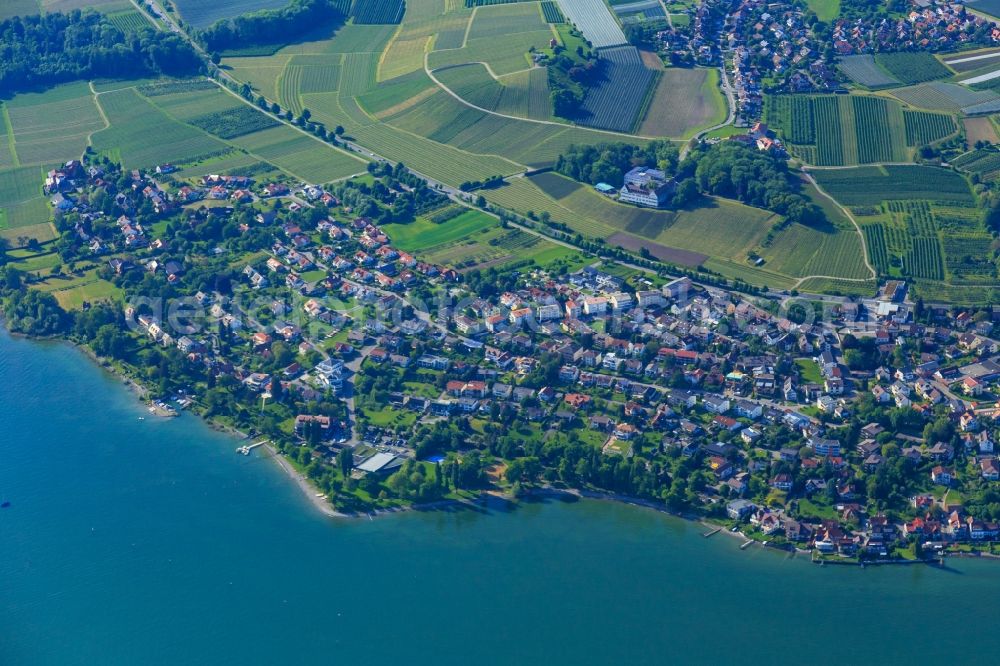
(474, 239)
(422, 233)
(826, 10)
(72, 291)
(21, 201)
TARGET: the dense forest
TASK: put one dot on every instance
(271, 26)
(727, 169)
(736, 171)
(570, 74)
(608, 162)
(53, 48)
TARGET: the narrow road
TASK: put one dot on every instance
(857, 227)
(437, 82)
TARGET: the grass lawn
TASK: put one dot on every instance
(72, 292)
(813, 509)
(810, 371)
(826, 10)
(312, 276)
(423, 390)
(422, 233)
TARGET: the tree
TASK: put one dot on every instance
(345, 461)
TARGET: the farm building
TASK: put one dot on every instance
(647, 187)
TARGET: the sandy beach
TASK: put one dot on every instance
(307, 488)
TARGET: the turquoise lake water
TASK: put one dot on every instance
(150, 541)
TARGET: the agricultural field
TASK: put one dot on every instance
(424, 233)
(300, 155)
(21, 200)
(261, 72)
(474, 239)
(524, 94)
(377, 12)
(718, 234)
(128, 20)
(464, 121)
(920, 223)
(984, 163)
(685, 101)
(235, 122)
(912, 68)
(925, 128)
(979, 129)
(551, 12)
(618, 101)
(967, 61)
(186, 123)
(863, 70)
(930, 242)
(99, 5)
(845, 129)
(499, 36)
(142, 136)
(868, 186)
(52, 126)
(11, 8)
(941, 96)
(991, 7)
(200, 14)
(595, 21)
(38, 130)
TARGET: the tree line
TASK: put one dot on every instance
(44, 50)
(727, 169)
(271, 26)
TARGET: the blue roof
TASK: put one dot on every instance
(604, 187)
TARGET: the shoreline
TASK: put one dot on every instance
(304, 484)
(312, 493)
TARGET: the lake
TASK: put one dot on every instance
(136, 540)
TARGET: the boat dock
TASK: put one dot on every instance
(245, 450)
(712, 532)
(745, 544)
